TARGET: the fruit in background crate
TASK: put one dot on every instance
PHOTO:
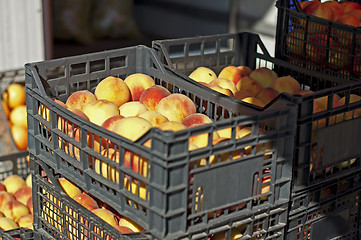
(100, 110)
(246, 71)
(320, 10)
(28, 180)
(233, 73)
(154, 117)
(236, 233)
(80, 99)
(13, 182)
(264, 76)
(20, 136)
(356, 13)
(151, 96)
(253, 101)
(356, 112)
(15, 95)
(125, 222)
(348, 6)
(267, 94)
(336, 8)
(18, 116)
(286, 84)
(137, 84)
(248, 84)
(131, 109)
(114, 90)
(125, 127)
(25, 221)
(5, 197)
(224, 83)
(7, 224)
(23, 194)
(203, 74)
(15, 209)
(176, 107)
(295, 41)
(339, 58)
(68, 187)
(246, 132)
(316, 48)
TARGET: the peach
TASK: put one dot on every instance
(15, 95)
(106, 170)
(264, 76)
(20, 137)
(138, 190)
(86, 201)
(123, 229)
(356, 13)
(231, 73)
(114, 90)
(80, 99)
(286, 84)
(13, 182)
(267, 94)
(173, 126)
(106, 215)
(195, 119)
(5, 197)
(224, 83)
(336, 9)
(235, 234)
(109, 123)
(68, 187)
(15, 209)
(28, 180)
(240, 94)
(138, 83)
(349, 6)
(253, 101)
(7, 223)
(131, 128)
(67, 126)
(23, 194)
(295, 41)
(203, 74)
(355, 113)
(25, 221)
(2, 187)
(319, 10)
(176, 107)
(324, 100)
(100, 110)
(245, 132)
(224, 91)
(250, 85)
(18, 116)
(126, 222)
(29, 204)
(246, 71)
(154, 117)
(60, 103)
(151, 96)
(133, 108)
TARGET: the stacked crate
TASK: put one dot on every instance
(325, 202)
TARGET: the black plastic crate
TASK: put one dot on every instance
(14, 163)
(316, 43)
(175, 181)
(325, 149)
(327, 211)
(19, 234)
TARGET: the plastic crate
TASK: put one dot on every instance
(19, 234)
(14, 163)
(316, 43)
(59, 217)
(323, 150)
(6, 78)
(175, 181)
(327, 211)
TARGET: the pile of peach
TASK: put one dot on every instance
(16, 205)
(14, 105)
(258, 86)
(318, 39)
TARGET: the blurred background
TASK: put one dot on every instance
(47, 29)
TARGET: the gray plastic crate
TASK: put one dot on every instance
(14, 163)
(323, 150)
(19, 234)
(172, 207)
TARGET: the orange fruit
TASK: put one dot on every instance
(18, 116)
(20, 136)
(16, 95)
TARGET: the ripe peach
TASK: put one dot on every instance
(123, 229)
(15, 95)
(60, 103)
(151, 96)
(224, 83)
(67, 126)
(106, 215)
(28, 180)
(126, 222)
(114, 90)
(23, 194)
(29, 204)
(250, 85)
(5, 197)
(138, 83)
(264, 76)
(137, 188)
(20, 136)
(356, 13)
(176, 107)
(349, 6)
(109, 123)
(319, 10)
(336, 9)
(13, 182)
(246, 71)
(203, 74)
(100, 110)
(26, 221)
(106, 170)
(2, 187)
(195, 119)
(253, 101)
(286, 84)
(224, 91)
(240, 94)
(154, 117)
(133, 108)
(231, 73)
(173, 126)
(7, 223)
(86, 201)
(80, 99)
(131, 127)
(68, 187)
(267, 94)
(18, 116)
(15, 209)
